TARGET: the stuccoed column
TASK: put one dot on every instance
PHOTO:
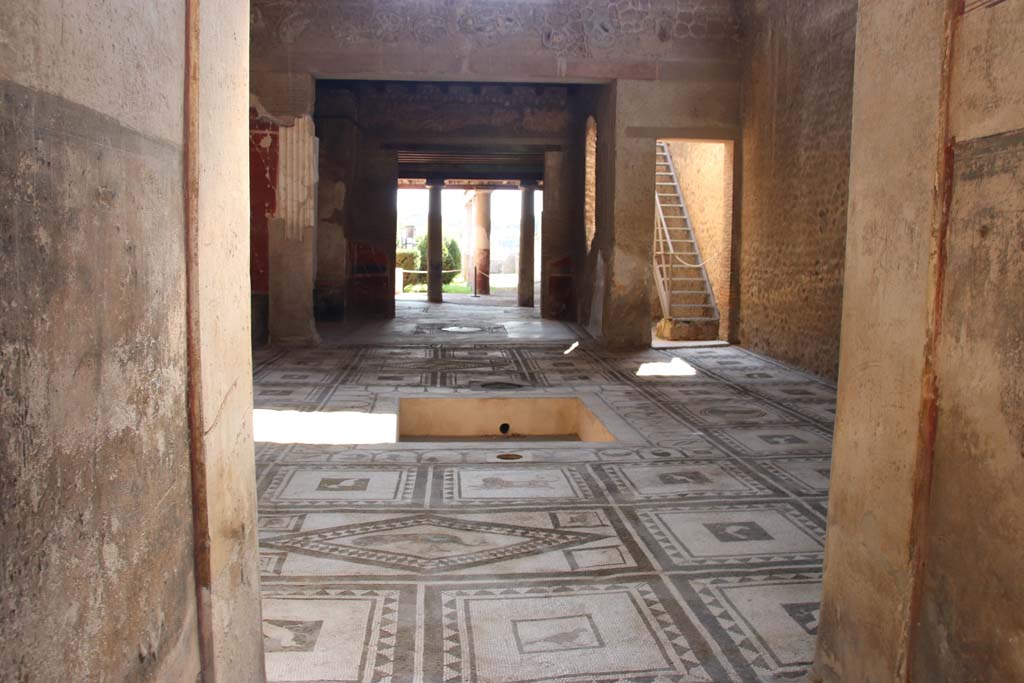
(482, 240)
(293, 238)
(527, 226)
(434, 262)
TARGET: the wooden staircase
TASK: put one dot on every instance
(679, 273)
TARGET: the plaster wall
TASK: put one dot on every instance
(627, 300)
(797, 83)
(885, 316)
(96, 519)
(972, 606)
(101, 300)
(339, 138)
(558, 265)
(281, 93)
(219, 293)
(922, 558)
(372, 231)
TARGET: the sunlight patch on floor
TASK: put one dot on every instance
(677, 367)
(326, 428)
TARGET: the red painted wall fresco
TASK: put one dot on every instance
(371, 283)
(263, 156)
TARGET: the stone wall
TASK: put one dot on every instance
(96, 520)
(922, 565)
(440, 113)
(485, 40)
(797, 95)
(704, 170)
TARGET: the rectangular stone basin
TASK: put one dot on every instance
(477, 419)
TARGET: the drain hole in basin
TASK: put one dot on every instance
(504, 428)
(510, 456)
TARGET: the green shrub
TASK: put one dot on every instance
(451, 259)
(407, 259)
(421, 250)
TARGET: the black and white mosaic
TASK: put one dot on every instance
(689, 550)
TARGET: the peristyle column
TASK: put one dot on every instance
(527, 225)
(467, 238)
(482, 240)
(434, 263)
(292, 237)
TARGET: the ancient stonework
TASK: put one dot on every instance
(571, 27)
(797, 98)
(429, 108)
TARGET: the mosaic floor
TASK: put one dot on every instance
(689, 549)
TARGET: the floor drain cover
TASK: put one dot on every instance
(501, 385)
(510, 456)
(461, 329)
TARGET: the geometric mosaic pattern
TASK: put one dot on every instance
(428, 542)
(323, 637)
(588, 632)
(770, 620)
(489, 486)
(729, 536)
(320, 487)
(691, 550)
(685, 480)
(413, 546)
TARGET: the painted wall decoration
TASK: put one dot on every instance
(263, 161)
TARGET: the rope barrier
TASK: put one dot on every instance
(476, 273)
(425, 272)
